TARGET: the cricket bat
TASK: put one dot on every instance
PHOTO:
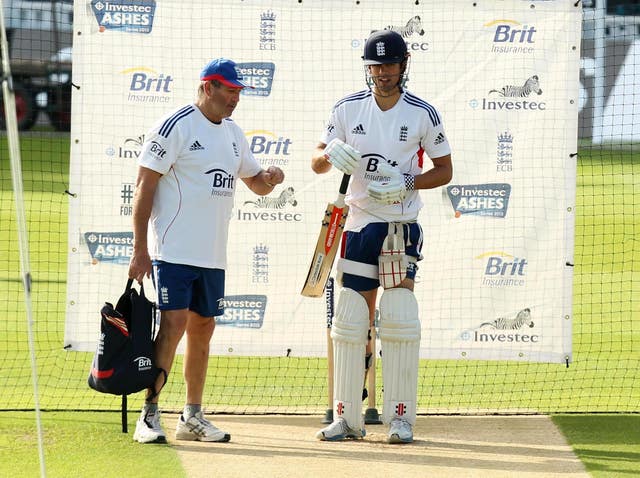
(328, 242)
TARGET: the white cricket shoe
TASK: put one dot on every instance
(400, 431)
(199, 428)
(339, 430)
(148, 429)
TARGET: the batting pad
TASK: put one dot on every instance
(349, 335)
(400, 341)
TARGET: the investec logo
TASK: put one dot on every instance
(512, 37)
(412, 31)
(129, 149)
(512, 97)
(268, 148)
(146, 85)
(502, 270)
(133, 16)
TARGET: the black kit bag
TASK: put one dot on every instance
(124, 361)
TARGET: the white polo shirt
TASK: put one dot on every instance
(201, 163)
(400, 136)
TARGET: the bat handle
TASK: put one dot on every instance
(344, 184)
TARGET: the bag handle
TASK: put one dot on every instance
(129, 287)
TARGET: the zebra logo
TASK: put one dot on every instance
(414, 25)
(513, 91)
(503, 323)
(286, 196)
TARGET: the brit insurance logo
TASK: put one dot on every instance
(243, 311)
(512, 98)
(129, 16)
(114, 247)
(411, 30)
(491, 199)
(128, 149)
(503, 270)
(269, 148)
(511, 37)
(258, 75)
(146, 85)
(222, 182)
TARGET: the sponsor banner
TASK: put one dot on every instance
(131, 16)
(493, 282)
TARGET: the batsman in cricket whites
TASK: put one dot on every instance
(381, 137)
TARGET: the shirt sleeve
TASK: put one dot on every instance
(435, 142)
(249, 165)
(334, 128)
(160, 152)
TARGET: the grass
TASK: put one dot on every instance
(608, 445)
(87, 445)
(603, 378)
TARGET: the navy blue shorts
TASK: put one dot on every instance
(365, 246)
(195, 288)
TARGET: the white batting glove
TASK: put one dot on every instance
(342, 156)
(392, 191)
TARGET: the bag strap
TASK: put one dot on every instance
(130, 286)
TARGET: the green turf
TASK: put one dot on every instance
(603, 377)
(608, 445)
(87, 445)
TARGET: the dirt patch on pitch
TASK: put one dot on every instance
(284, 446)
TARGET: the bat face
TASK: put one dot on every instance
(326, 249)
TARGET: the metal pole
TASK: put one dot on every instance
(16, 175)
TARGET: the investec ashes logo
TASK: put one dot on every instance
(259, 75)
(115, 247)
(243, 311)
(132, 16)
(480, 199)
(221, 182)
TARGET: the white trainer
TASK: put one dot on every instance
(400, 431)
(339, 430)
(199, 428)
(148, 429)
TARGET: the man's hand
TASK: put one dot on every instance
(140, 266)
(392, 191)
(342, 156)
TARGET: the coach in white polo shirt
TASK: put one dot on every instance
(392, 143)
(187, 177)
